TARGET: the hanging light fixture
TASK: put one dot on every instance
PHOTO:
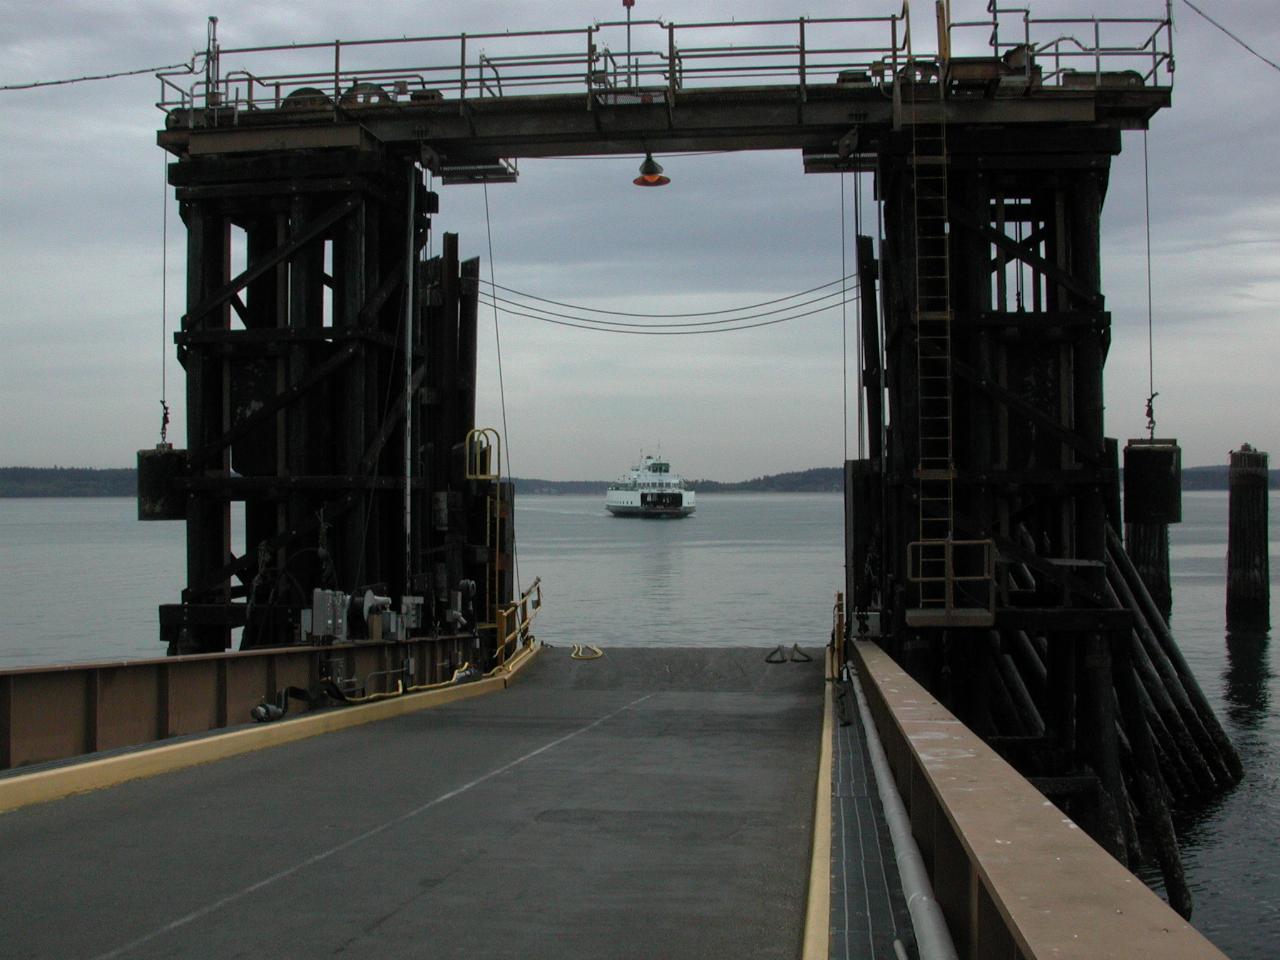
(651, 173)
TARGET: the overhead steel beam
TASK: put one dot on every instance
(737, 118)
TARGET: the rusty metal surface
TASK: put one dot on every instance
(65, 710)
(1014, 876)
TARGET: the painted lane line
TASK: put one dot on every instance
(347, 844)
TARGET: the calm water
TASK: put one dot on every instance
(80, 579)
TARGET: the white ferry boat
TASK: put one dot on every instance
(649, 489)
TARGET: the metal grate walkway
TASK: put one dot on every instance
(868, 910)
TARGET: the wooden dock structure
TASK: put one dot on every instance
(669, 798)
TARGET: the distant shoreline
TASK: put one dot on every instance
(62, 482)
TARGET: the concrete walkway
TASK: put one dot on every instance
(655, 803)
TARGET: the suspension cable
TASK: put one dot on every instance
(670, 316)
(502, 390)
(189, 65)
(1269, 62)
(655, 332)
(658, 326)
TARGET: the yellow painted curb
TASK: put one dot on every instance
(817, 920)
(46, 785)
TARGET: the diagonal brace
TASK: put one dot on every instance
(389, 424)
(1011, 550)
(240, 565)
(965, 217)
(1091, 452)
(276, 403)
(232, 287)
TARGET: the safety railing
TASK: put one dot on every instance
(966, 578)
(483, 453)
(515, 621)
(1077, 51)
(651, 56)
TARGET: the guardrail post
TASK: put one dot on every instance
(671, 63)
(1097, 53)
(337, 81)
(591, 62)
(462, 67)
(502, 637)
(803, 63)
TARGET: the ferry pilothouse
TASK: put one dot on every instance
(650, 489)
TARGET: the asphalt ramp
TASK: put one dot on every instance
(652, 803)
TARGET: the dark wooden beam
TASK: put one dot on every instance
(971, 220)
(274, 405)
(279, 255)
(1091, 452)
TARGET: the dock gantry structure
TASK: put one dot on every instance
(331, 374)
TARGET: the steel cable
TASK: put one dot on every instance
(655, 332)
(668, 316)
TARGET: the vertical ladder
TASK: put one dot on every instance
(935, 467)
(954, 579)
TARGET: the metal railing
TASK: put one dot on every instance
(659, 57)
(1073, 51)
(838, 638)
(967, 582)
(515, 620)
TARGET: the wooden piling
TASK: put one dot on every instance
(1150, 788)
(1178, 681)
(1248, 569)
(1148, 547)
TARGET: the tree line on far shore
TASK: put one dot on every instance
(122, 482)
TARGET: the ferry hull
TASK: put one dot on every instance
(619, 510)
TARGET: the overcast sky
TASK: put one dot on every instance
(82, 200)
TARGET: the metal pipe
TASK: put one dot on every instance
(410, 263)
(932, 936)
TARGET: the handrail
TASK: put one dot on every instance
(516, 632)
(949, 577)
(479, 464)
(1143, 45)
(799, 51)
